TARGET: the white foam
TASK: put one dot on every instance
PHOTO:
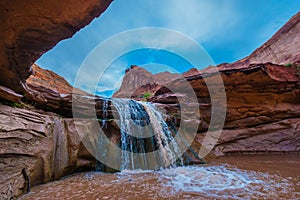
(216, 180)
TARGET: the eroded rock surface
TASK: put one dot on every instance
(48, 79)
(9, 95)
(45, 144)
(263, 109)
(51, 92)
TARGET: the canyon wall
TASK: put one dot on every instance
(263, 109)
(37, 132)
(43, 144)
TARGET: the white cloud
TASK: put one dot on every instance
(202, 20)
(157, 67)
(199, 19)
(108, 79)
(112, 77)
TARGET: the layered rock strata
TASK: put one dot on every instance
(263, 108)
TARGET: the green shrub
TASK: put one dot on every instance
(12, 104)
(17, 105)
(147, 95)
(288, 65)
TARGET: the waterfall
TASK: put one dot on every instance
(167, 143)
(105, 113)
(146, 141)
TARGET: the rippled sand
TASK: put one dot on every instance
(235, 177)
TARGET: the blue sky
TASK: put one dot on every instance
(227, 29)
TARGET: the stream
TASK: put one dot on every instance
(230, 177)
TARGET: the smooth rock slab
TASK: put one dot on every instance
(43, 143)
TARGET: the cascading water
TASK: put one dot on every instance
(167, 143)
(146, 141)
(105, 112)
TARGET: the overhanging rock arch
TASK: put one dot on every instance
(29, 28)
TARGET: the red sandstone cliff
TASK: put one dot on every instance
(282, 48)
(138, 81)
(48, 79)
